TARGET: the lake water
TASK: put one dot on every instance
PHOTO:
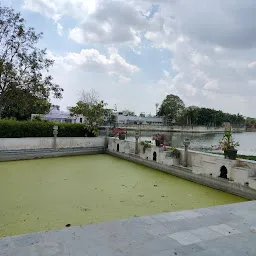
(207, 142)
(47, 194)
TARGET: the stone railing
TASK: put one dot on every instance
(242, 172)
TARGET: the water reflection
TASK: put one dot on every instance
(204, 142)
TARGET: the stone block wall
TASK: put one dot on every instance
(128, 147)
(242, 172)
(42, 143)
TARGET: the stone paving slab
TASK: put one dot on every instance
(221, 230)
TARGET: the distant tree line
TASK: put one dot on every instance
(208, 117)
(174, 111)
(251, 122)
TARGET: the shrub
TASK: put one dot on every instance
(15, 129)
(37, 118)
(174, 152)
(146, 144)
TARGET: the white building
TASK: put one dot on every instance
(122, 118)
(56, 115)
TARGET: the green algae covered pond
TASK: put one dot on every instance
(47, 194)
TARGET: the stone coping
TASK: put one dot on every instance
(228, 230)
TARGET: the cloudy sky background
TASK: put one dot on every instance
(134, 53)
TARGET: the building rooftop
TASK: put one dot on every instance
(56, 113)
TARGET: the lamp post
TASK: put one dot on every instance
(186, 143)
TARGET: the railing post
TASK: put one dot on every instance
(186, 144)
(106, 138)
(55, 133)
(137, 135)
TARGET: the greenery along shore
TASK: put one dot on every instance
(253, 158)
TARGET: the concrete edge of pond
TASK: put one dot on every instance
(186, 173)
(205, 231)
(15, 155)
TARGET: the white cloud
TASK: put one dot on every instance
(252, 82)
(190, 90)
(56, 9)
(166, 73)
(212, 85)
(77, 35)
(91, 60)
(252, 64)
(112, 22)
(101, 21)
(59, 29)
(218, 49)
(124, 80)
(217, 71)
(212, 45)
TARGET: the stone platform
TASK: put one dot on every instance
(228, 230)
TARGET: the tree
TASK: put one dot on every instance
(20, 104)
(90, 97)
(22, 64)
(113, 119)
(189, 116)
(171, 107)
(110, 117)
(94, 115)
(250, 122)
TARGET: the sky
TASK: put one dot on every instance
(135, 52)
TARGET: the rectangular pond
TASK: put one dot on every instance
(48, 194)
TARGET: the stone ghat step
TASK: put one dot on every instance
(45, 150)
(182, 168)
(14, 155)
(220, 230)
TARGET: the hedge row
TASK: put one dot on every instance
(16, 129)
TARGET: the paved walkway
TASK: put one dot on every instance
(228, 230)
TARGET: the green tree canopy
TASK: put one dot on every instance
(23, 66)
(208, 117)
(171, 107)
(174, 108)
(93, 113)
(20, 104)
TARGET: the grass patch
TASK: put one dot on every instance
(252, 158)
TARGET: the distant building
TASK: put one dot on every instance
(121, 118)
(56, 115)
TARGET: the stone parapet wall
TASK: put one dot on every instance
(186, 173)
(48, 153)
(189, 129)
(239, 172)
(42, 143)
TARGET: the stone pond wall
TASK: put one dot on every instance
(12, 149)
(240, 173)
(175, 128)
(47, 143)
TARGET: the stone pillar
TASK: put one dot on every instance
(186, 144)
(106, 138)
(137, 135)
(55, 133)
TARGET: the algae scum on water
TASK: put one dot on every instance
(48, 194)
